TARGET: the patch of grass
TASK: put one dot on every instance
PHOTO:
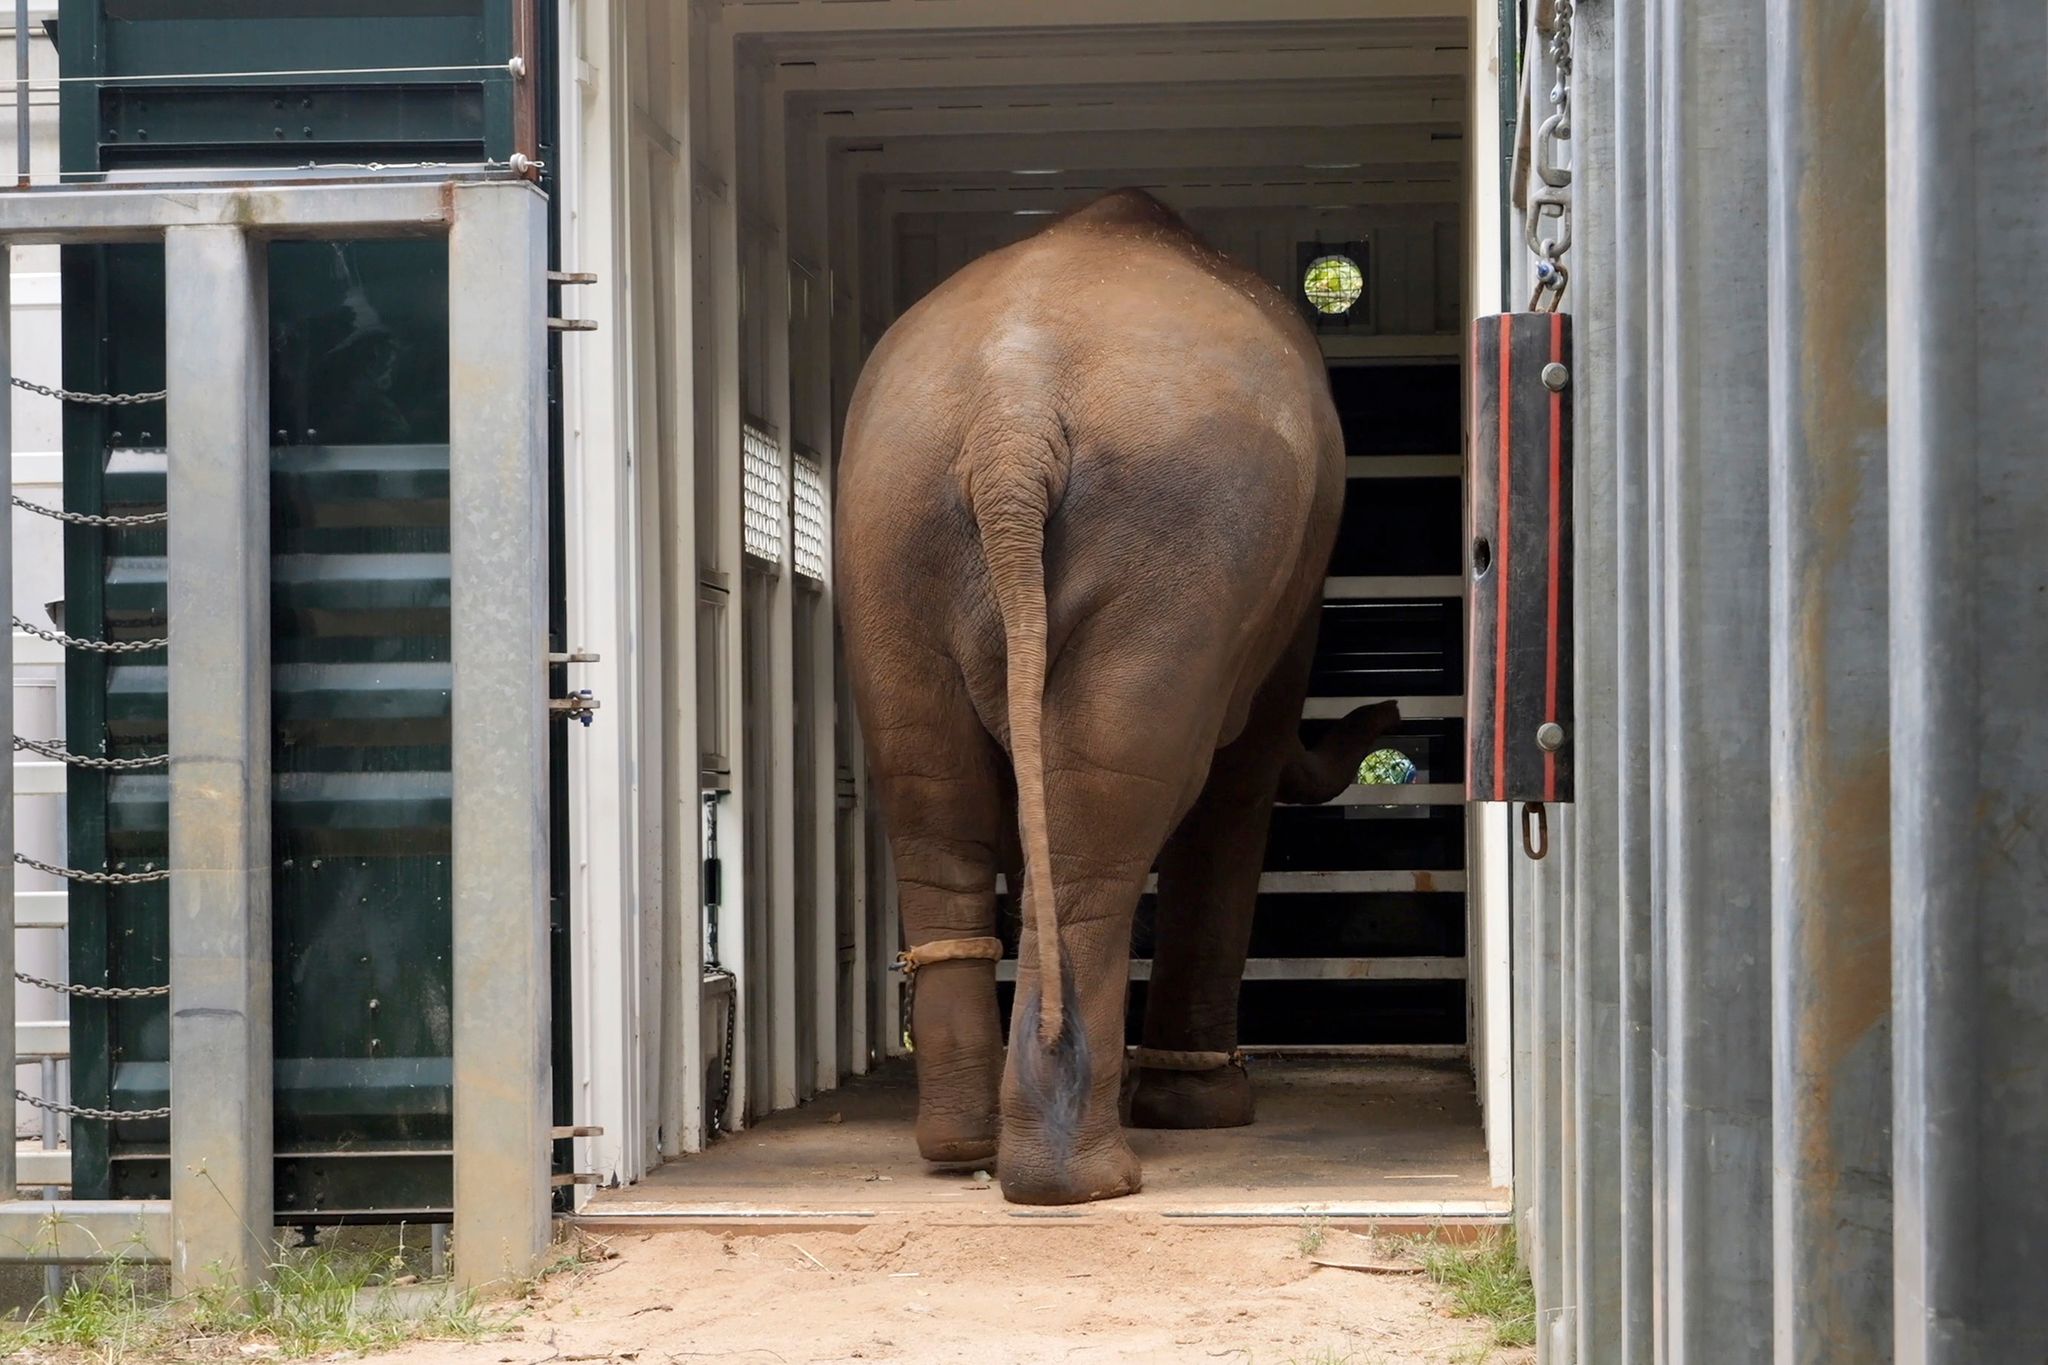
(1313, 1231)
(1485, 1280)
(319, 1301)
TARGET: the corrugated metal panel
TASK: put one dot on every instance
(1802, 1005)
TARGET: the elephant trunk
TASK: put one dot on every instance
(1012, 501)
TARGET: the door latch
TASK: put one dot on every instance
(581, 704)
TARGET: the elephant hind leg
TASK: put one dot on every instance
(939, 778)
(1208, 889)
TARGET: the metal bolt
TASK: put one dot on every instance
(1555, 377)
(1550, 736)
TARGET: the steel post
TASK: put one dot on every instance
(1716, 879)
(217, 542)
(1633, 814)
(1656, 935)
(498, 572)
(21, 128)
(1595, 887)
(1967, 177)
(1546, 1110)
(7, 992)
(1830, 743)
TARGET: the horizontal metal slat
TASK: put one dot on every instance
(41, 909)
(37, 1166)
(1314, 969)
(1306, 883)
(1392, 587)
(365, 813)
(81, 1231)
(1412, 708)
(1411, 794)
(38, 777)
(1404, 466)
(35, 1039)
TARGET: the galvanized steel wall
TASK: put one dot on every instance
(1787, 982)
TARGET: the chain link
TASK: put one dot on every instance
(714, 972)
(79, 1111)
(50, 749)
(91, 646)
(95, 992)
(104, 400)
(1553, 201)
(87, 518)
(73, 874)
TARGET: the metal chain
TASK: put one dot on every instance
(1554, 199)
(51, 749)
(87, 518)
(95, 992)
(92, 646)
(714, 972)
(73, 874)
(104, 400)
(904, 998)
(79, 1111)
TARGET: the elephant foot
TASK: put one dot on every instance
(950, 1140)
(1191, 1099)
(1103, 1170)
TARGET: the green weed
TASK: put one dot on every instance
(318, 1301)
(1486, 1281)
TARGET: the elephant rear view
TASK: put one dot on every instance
(1087, 495)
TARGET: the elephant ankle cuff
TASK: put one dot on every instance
(1163, 1059)
(949, 950)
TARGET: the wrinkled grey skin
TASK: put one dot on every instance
(1086, 501)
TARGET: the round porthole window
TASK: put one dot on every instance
(1333, 283)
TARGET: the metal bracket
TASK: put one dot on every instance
(572, 277)
(571, 325)
(579, 656)
(579, 705)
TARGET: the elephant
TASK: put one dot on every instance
(1086, 499)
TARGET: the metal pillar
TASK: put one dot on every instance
(1633, 815)
(1830, 741)
(1716, 880)
(1595, 887)
(8, 1180)
(1968, 248)
(1657, 936)
(498, 500)
(217, 540)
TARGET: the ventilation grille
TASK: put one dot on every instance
(761, 498)
(807, 517)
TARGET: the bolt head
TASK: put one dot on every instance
(1555, 377)
(1550, 736)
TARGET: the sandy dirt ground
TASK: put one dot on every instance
(918, 1291)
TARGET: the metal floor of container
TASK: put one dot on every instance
(1356, 1137)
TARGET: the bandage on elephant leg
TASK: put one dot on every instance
(1208, 888)
(939, 779)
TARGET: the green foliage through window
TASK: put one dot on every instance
(1333, 283)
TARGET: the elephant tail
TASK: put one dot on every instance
(1012, 501)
